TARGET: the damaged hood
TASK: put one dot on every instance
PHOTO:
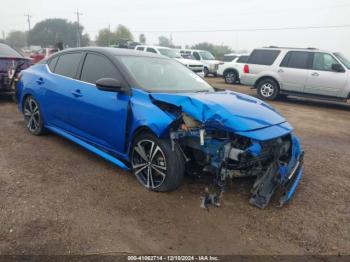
(227, 110)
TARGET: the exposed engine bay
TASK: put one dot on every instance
(274, 163)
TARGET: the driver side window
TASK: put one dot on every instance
(151, 50)
(323, 62)
(196, 55)
(97, 67)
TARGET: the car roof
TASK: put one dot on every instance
(308, 49)
(7, 51)
(110, 51)
(154, 46)
(194, 50)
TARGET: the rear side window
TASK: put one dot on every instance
(263, 57)
(243, 59)
(97, 67)
(52, 63)
(151, 50)
(67, 64)
(140, 48)
(297, 59)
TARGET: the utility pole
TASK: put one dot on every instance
(28, 21)
(3, 35)
(109, 35)
(78, 28)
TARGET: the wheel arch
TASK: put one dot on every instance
(230, 69)
(24, 97)
(266, 78)
(139, 130)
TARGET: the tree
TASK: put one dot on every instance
(142, 39)
(166, 42)
(104, 37)
(16, 39)
(121, 35)
(217, 50)
(49, 32)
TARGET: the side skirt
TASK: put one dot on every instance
(88, 147)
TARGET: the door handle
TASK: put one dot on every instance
(315, 74)
(40, 81)
(77, 93)
(280, 71)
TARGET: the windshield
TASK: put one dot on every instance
(169, 53)
(343, 59)
(163, 75)
(205, 55)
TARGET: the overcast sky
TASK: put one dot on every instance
(166, 16)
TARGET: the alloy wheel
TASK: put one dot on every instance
(230, 78)
(267, 90)
(32, 115)
(149, 164)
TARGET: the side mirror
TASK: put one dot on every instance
(109, 85)
(337, 68)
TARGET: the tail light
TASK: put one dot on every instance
(246, 69)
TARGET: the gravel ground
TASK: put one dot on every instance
(57, 198)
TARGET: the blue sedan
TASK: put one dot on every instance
(153, 115)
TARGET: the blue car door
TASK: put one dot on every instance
(58, 84)
(97, 116)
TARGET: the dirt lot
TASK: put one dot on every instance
(56, 198)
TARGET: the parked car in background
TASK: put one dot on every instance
(229, 57)
(195, 66)
(11, 64)
(43, 53)
(232, 71)
(151, 114)
(307, 72)
(210, 63)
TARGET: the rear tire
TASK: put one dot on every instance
(32, 116)
(267, 89)
(155, 165)
(230, 77)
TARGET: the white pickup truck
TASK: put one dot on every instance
(194, 65)
(210, 63)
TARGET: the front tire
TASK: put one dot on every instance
(206, 71)
(155, 165)
(268, 89)
(32, 116)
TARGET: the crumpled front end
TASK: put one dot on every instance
(232, 135)
(276, 163)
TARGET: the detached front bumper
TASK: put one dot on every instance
(277, 176)
(292, 183)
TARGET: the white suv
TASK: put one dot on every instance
(232, 70)
(307, 72)
(210, 63)
(195, 66)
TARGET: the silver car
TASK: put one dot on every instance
(306, 72)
